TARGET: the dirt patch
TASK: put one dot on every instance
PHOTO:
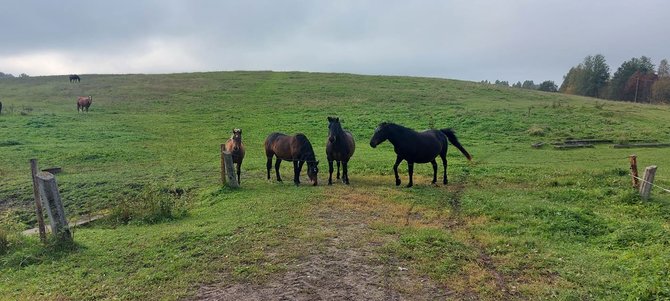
(342, 260)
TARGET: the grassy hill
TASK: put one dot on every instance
(516, 223)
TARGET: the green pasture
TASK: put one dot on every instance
(555, 224)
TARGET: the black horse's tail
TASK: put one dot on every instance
(452, 138)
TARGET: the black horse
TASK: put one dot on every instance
(0, 107)
(415, 147)
(74, 78)
(339, 147)
(292, 148)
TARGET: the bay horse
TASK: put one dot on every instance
(236, 148)
(340, 147)
(297, 149)
(74, 78)
(83, 102)
(415, 147)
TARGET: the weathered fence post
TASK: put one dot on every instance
(633, 171)
(52, 202)
(38, 203)
(647, 181)
(228, 168)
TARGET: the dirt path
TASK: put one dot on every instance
(344, 264)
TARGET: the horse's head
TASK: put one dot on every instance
(380, 135)
(237, 138)
(334, 128)
(312, 171)
(90, 99)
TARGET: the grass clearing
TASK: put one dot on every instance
(516, 223)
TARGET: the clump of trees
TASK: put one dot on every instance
(9, 75)
(547, 85)
(635, 80)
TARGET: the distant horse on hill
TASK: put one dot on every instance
(339, 147)
(0, 107)
(83, 102)
(415, 147)
(74, 78)
(292, 148)
(235, 146)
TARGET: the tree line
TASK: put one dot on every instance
(9, 75)
(636, 80)
(547, 85)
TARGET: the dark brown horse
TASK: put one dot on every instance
(415, 147)
(292, 148)
(236, 148)
(339, 147)
(75, 78)
(83, 102)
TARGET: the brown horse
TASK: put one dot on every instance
(297, 149)
(339, 147)
(84, 102)
(235, 146)
(416, 147)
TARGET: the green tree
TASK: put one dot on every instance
(597, 75)
(663, 69)
(529, 84)
(548, 86)
(660, 91)
(572, 82)
(626, 80)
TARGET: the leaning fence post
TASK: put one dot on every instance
(647, 181)
(228, 169)
(633, 171)
(52, 202)
(223, 165)
(38, 203)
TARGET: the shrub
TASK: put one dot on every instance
(153, 204)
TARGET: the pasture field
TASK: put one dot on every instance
(515, 223)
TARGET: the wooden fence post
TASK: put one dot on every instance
(231, 178)
(647, 181)
(52, 202)
(38, 203)
(228, 176)
(633, 171)
(223, 165)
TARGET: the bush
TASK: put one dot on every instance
(153, 204)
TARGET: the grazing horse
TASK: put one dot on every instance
(339, 147)
(235, 146)
(415, 147)
(74, 78)
(292, 148)
(84, 102)
(0, 107)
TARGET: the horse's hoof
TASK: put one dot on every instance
(330, 182)
(409, 185)
(346, 182)
(397, 182)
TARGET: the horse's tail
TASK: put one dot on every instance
(453, 140)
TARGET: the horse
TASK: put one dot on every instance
(0, 107)
(297, 149)
(75, 77)
(84, 102)
(415, 147)
(340, 147)
(235, 146)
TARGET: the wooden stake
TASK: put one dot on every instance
(223, 165)
(38, 203)
(51, 199)
(229, 168)
(647, 180)
(633, 171)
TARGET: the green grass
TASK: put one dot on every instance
(560, 224)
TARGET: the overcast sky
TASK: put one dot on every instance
(474, 40)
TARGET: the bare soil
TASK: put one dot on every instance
(344, 263)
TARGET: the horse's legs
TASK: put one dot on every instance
(238, 172)
(338, 170)
(269, 165)
(444, 163)
(410, 170)
(297, 165)
(434, 163)
(277, 169)
(398, 159)
(345, 172)
(330, 172)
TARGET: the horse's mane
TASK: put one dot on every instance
(306, 150)
(397, 126)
